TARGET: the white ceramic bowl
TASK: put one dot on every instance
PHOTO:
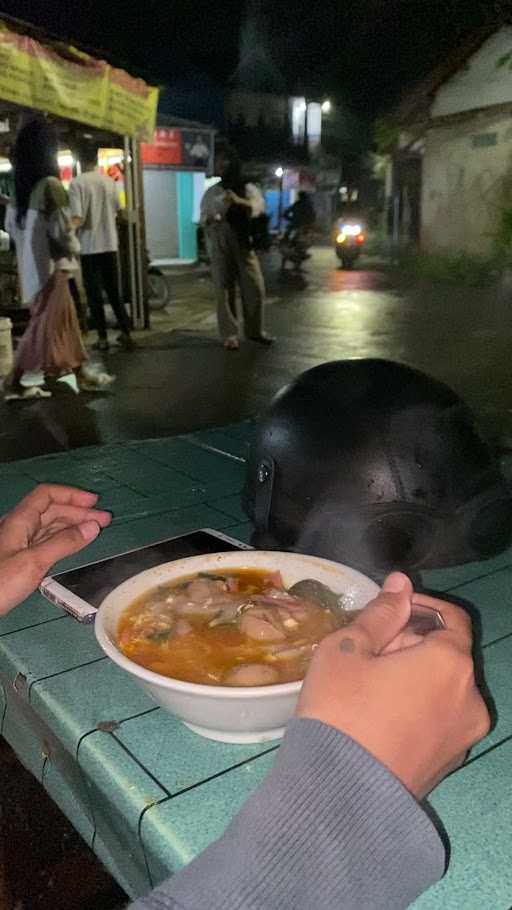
(226, 713)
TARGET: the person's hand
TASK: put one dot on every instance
(230, 197)
(412, 703)
(49, 524)
(234, 199)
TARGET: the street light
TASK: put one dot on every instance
(326, 106)
(279, 172)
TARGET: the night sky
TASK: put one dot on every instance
(361, 54)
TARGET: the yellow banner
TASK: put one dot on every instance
(71, 84)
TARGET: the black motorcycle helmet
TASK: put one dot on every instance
(375, 464)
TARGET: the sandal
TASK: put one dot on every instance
(232, 344)
(92, 381)
(21, 393)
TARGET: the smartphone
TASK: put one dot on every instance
(81, 591)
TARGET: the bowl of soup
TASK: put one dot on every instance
(223, 641)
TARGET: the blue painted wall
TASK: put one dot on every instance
(272, 206)
(187, 236)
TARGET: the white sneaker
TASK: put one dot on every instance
(70, 380)
(32, 377)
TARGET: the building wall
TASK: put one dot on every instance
(466, 182)
(481, 82)
(255, 109)
(272, 207)
(161, 207)
(187, 230)
(172, 209)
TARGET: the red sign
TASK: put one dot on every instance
(66, 173)
(166, 148)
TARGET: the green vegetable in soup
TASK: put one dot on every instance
(159, 635)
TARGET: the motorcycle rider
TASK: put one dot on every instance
(295, 240)
(300, 215)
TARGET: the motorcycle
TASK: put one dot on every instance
(159, 290)
(349, 241)
(293, 247)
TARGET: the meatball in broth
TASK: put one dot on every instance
(238, 628)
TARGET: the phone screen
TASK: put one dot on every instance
(92, 583)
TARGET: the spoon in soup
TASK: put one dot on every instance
(422, 620)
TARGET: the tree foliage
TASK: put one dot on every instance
(386, 135)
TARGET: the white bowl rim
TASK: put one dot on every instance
(180, 685)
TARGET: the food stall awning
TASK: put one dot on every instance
(66, 82)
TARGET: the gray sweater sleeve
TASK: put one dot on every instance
(329, 828)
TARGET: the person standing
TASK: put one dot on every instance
(226, 212)
(39, 221)
(94, 206)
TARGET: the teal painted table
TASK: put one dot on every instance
(143, 791)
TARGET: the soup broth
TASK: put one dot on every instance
(238, 628)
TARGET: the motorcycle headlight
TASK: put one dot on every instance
(341, 238)
(351, 230)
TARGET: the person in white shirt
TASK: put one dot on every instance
(226, 212)
(94, 205)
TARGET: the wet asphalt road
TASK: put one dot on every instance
(180, 378)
